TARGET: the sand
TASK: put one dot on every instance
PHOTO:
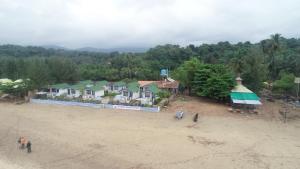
(66, 137)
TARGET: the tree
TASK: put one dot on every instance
(38, 73)
(254, 71)
(237, 65)
(213, 81)
(63, 70)
(285, 84)
(186, 72)
(18, 88)
(271, 47)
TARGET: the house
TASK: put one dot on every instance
(144, 91)
(85, 89)
(58, 90)
(169, 85)
(242, 96)
(116, 87)
(129, 93)
(95, 90)
(148, 92)
(76, 90)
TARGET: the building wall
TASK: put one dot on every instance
(99, 93)
(135, 95)
(114, 88)
(77, 94)
(62, 92)
(143, 92)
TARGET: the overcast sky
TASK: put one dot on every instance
(144, 23)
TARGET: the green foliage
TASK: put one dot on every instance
(186, 72)
(213, 81)
(157, 100)
(254, 71)
(164, 94)
(17, 88)
(110, 94)
(253, 61)
(285, 84)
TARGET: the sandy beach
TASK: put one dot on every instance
(66, 137)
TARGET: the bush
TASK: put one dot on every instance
(285, 84)
(110, 94)
(19, 87)
(156, 101)
(164, 94)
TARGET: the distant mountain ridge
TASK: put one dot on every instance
(109, 50)
(101, 50)
(56, 47)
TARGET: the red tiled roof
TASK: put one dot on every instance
(144, 83)
(167, 85)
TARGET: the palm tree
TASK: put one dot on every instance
(237, 65)
(270, 47)
(274, 47)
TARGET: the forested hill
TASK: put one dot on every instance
(44, 66)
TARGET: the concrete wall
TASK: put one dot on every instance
(77, 94)
(62, 92)
(135, 95)
(93, 105)
(99, 94)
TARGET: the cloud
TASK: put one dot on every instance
(144, 23)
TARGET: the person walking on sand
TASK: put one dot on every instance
(22, 142)
(28, 146)
(196, 118)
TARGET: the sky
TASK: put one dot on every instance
(144, 23)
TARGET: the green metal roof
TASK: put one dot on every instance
(103, 83)
(60, 86)
(120, 83)
(77, 86)
(81, 85)
(243, 96)
(153, 88)
(98, 85)
(133, 87)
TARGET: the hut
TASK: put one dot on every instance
(241, 96)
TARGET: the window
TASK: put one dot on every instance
(93, 93)
(125, 93)
(147, 94)
(54, 90)
(88, 92)
(71, 91)
(116, 87)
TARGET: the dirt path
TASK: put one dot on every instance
(66, 137)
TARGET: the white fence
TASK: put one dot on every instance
(94, 105)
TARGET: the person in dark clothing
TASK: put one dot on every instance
(196, 118)
(28, 146)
